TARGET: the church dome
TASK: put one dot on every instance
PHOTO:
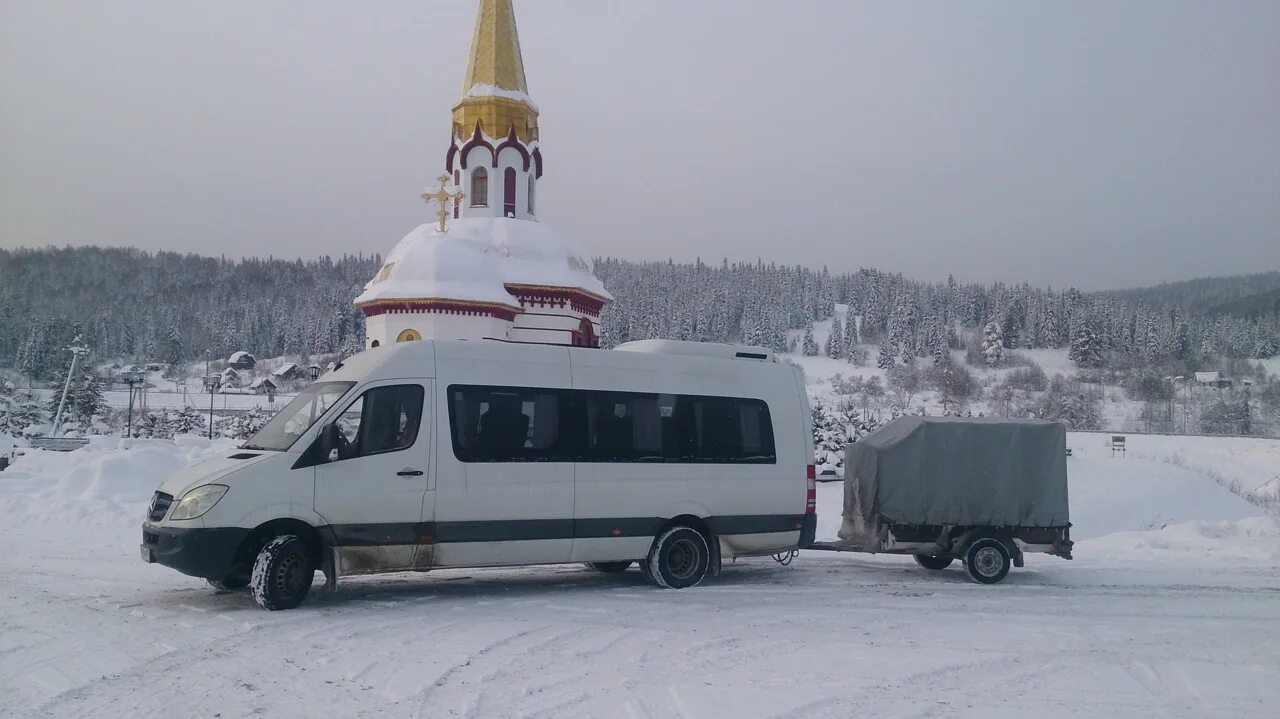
(477, 259)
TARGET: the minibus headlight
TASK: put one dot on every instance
(198, 501)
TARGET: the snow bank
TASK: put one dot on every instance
(107, 483)
(1118, 494)
(1254, 540)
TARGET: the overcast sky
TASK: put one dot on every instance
(1087, 143)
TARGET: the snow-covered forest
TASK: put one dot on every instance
(905, 346)
(171, 307)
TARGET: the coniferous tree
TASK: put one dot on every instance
(835, 342)
(885, 359)
(809, 347)
(992, 344)
(1086, 348)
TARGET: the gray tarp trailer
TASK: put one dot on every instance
(984, 491)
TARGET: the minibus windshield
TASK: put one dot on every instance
(297, 417)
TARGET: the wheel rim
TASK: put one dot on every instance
(682, 558)
(987, 561)
(290, 574)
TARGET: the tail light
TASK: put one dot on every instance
(811, 490)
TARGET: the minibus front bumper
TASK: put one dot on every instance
(203, 552)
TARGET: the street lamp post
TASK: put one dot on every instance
(211, 384)
(132, 377)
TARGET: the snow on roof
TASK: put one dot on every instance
(483, 90)
(285, 369)
(262, 381)
(476, 258)
(1208, 376)
(238, 356)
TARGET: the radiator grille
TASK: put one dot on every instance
(159, 506)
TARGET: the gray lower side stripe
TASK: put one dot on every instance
(510, 530)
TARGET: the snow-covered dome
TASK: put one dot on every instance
(476, 260)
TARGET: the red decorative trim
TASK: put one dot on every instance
(442, 307)
(576, 298)
(448, 157)
(512, 141)
(537, 163)
(477, 140)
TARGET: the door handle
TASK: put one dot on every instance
(409, 473)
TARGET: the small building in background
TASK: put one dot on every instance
(1212, 379)
(230, 378)
(264, 385)
(241, 360)
(287, 372)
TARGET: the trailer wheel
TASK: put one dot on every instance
(679, 558)
(283, 573)
(933, 561)
(609, 567)
(987, 561)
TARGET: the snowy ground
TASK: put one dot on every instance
(1176, 622)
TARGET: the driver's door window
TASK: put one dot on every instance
(383, 419)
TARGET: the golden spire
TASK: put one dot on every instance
(495, 50)
(494, 92)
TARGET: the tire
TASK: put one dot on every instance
(987, 561)
(644, 571)
(610, 567)
(679, 558)
(933, 561)
(282, 573)
(229, 583)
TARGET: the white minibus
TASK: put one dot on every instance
(441, 453)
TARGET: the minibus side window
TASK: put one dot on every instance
(383, 419)
(637, 427)
(509, 424)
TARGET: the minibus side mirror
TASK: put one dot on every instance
(323, 449)
(329, 441)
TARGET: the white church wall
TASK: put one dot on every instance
(387, 327)
(549, 325)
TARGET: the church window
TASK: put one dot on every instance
(409, 336)
(509, 193)
(531, 183)
(479, 187)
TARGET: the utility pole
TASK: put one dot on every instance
(77, 350)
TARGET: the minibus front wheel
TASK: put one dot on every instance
(283, 572)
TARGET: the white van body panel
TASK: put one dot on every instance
(493, 513)
(480, 494)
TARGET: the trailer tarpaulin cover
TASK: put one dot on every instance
(957, 471)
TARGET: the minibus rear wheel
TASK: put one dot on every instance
(283, 572)
(679, 558)
(609, 567)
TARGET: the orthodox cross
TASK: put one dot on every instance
(442, 197)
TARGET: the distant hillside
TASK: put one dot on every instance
(126, 303)
(1248, 296)
(1262, 304)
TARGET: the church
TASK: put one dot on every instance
(486, 268)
